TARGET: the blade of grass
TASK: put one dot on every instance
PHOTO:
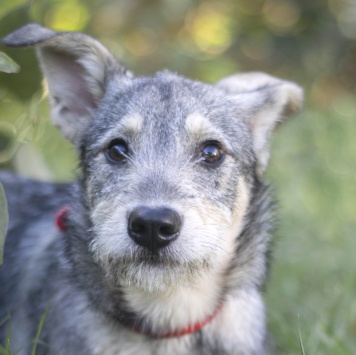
(3, 351)
(4, 220)
(300, 338)
(8, 346)
(8, 337)
(39, 330)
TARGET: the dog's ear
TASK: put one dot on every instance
(265, 102)
(77, 69)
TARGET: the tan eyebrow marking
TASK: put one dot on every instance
(132, 123)
(197, 124)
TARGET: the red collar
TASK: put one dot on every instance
(192, 328)
(62, 225)
(61, 218)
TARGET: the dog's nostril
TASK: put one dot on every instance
(137, 227)
(167, 230)
(154, 228)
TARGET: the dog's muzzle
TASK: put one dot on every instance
(154, 228)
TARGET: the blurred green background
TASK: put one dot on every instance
(313, 164)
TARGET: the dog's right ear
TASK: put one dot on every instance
(77, 68)
(266, 101)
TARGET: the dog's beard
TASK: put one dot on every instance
(154, 272)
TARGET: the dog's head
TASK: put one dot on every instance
(169, 164)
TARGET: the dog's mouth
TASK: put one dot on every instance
(142, 256)
(154, 271)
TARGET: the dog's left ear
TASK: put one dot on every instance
(77, 68)
(265, 101)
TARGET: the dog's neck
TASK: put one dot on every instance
(190, 329)
(176, 312)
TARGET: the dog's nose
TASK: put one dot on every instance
(154, 228)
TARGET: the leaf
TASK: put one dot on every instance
(7, 65)
(4, 221)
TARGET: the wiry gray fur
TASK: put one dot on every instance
(97, 282)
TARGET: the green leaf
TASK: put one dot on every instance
(4, 221)
(7, 65)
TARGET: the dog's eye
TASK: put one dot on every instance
(211, 153)
(117, 150)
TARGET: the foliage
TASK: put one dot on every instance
(7, 65)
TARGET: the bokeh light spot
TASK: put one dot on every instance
(347, 21)
(210, 26)
(281, 16)
(67, 16)
(141, 42)
(345, 106)
(108, 19)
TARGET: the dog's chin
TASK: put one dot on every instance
(156, 272)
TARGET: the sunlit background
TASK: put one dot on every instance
(313, 163)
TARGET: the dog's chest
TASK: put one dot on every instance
(232, 332)
(107, 338)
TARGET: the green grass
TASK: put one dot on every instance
(313, 273)
(6, 349)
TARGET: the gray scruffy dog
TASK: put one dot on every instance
(163, 246)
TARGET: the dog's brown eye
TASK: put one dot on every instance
(211, 153)
(117, 151)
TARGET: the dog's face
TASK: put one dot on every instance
(168, 169)
(168, 163)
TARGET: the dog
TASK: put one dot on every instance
(161, 246)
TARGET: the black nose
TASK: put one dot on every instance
(154, 228)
